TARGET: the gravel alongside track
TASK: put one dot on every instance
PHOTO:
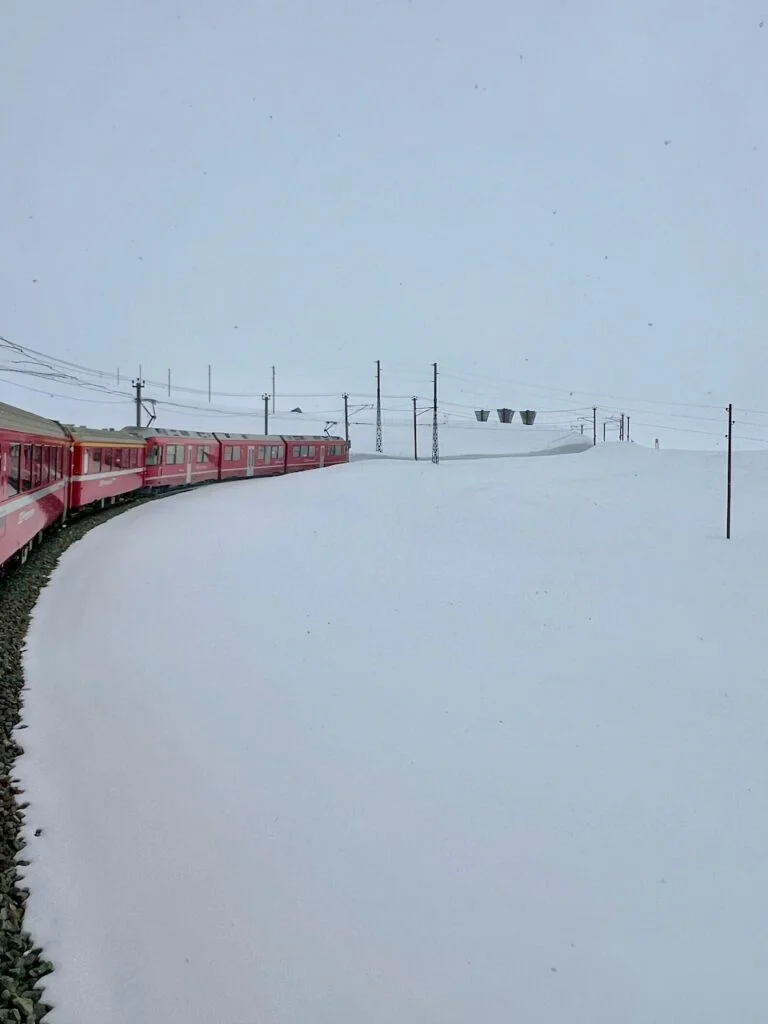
(22, 964)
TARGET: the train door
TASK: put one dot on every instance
(267, 454)
(251, 460)
(189, 463)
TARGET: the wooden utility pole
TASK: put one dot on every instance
(266, 413)
(415, 432)
(346, 417)
(594, 425)
(729, 473)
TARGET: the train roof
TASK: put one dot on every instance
(147, 432)
(273, 438)
(312, 437)
(12, 418)
(105, 436)
(263, 438)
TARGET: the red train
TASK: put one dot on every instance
(49, 469)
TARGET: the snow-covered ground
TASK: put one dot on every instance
(467, 744)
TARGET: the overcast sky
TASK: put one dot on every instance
(566, 195)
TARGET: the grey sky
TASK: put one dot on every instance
(515, 190)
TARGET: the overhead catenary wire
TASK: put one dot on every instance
(70, 398)
(647, 413)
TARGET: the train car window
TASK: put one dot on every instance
(311, 451)
(170, 455)
(117, 461)
(153, 456)
(200, 457)
(96, 460)
(260, 453)
(106, 459)
(26, 467)
(296, 451)
(227, 453)
(46, 473)
(236, 453)
(37, 464)
(14, 459)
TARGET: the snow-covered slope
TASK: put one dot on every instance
(482, 742)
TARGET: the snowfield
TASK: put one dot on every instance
(403, 744)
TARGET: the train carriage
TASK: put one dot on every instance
(306, 451)
(249, 455)
(177, 458)
(106, 465)
(34, 470)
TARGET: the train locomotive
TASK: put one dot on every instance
(50, 470)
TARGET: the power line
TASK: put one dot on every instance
(68, 373)
(70, 398)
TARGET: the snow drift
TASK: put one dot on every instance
(476, 742)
